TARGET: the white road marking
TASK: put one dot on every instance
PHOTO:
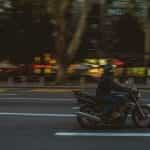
(76, 108)
(102, 134)
(36, 114)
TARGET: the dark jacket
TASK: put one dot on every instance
(107, 84)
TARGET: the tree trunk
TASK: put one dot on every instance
(61, 73)
(76, 38)
(61, 45)
(66, 54)
(61, 48)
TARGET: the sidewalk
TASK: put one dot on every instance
(64, 86)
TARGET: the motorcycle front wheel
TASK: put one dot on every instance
(138, 120)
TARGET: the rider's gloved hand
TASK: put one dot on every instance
(134, 92)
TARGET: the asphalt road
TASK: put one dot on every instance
(41, 120)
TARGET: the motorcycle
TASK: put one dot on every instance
(92, 114)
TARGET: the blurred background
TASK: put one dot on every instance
(62, 41)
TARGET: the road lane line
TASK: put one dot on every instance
(36, 114)
(76, 108)
(102, 134)
(39, 114)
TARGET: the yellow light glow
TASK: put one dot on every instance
(47, 57)
(102, 61)
(47, 71)
(72, 68)
(148, 72)
(96, 72)
(92, 61)
(52, 61)
(37, 71)
(94, 66)
(37, 59)
(96, 61)
(136, 71)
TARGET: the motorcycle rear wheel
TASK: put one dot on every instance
(84, 121)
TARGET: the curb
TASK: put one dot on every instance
(61, 87)
(64, 87)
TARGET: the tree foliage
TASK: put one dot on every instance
(65, 52)
(38, 25)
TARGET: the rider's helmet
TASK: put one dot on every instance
(109, 69)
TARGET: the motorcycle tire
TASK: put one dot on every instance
(85, 122)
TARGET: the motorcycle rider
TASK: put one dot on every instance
(106, 92)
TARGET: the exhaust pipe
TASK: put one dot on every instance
(92, 117)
